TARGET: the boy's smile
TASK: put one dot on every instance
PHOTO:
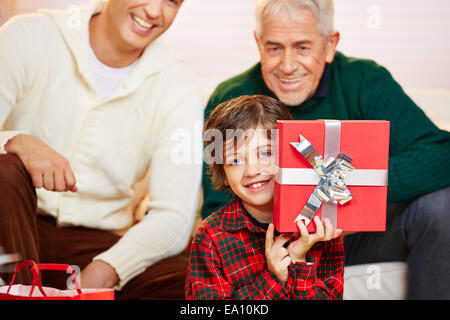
(258, 186)
(250, 170)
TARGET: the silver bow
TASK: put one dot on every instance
(332, 171)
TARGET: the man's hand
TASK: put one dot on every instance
(98, 274)
(277, 256)
(324, 232)
(47, 168)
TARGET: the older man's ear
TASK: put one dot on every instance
(331, 46)
(257, 40)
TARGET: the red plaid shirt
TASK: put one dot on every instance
(227, 261)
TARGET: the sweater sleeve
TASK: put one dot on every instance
(419, 157)
(15, 64)
(174, 187)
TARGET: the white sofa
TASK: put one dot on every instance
(376, 281)
(435, 104)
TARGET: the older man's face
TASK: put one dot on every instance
(293, 55)
(139, 22)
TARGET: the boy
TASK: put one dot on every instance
(234, 254)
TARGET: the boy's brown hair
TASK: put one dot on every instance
(244, 112)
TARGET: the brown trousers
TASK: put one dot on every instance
(38, 238)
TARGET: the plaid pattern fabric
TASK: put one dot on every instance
(227, 261)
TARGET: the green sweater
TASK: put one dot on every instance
(356, 89)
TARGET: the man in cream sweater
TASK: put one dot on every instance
(87, 106)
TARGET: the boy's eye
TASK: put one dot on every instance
(265, 154)
(236, 161)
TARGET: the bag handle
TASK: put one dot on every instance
(61, 267)
(35, 268)
(34, 271)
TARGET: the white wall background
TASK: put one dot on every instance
(410, 37)
(215, 37)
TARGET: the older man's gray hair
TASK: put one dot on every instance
(323, 10)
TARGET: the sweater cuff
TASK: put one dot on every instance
(125, 261)
(5, 136)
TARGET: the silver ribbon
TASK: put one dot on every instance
(331, 188)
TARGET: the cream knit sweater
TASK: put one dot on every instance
(152, 120)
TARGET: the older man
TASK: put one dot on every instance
(300, 66)
(88, 104)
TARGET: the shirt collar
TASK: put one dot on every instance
(155, 58)
(235, 218)
(321, 92)
(262, 225)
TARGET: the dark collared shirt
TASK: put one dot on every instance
(321, 92)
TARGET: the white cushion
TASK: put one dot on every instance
(434, 103)
(376, 281)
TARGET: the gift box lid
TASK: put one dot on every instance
(365, 141)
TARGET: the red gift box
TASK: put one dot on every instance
(365, 142)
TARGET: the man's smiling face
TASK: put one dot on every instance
(293, 55)
(139, 22)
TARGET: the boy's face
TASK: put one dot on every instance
(250, 170)
(139, 22)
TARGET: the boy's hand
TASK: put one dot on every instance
(324, 232)
(277, 256)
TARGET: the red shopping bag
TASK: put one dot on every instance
(23, 292)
